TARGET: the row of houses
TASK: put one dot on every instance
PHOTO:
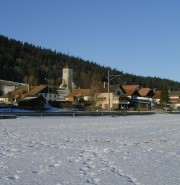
(117, 97)
(100, 97)
(35, 97)
(123, 97)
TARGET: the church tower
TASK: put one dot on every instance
(67, 83)
(67, 79)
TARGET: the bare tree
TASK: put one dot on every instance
(31, 80)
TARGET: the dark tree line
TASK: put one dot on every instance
(24, 62)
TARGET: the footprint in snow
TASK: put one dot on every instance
(13, 178)
(93, 180)
(40, 170)
(74, 160)
(129, 178)
(55, 165)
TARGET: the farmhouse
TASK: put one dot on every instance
(174, 99)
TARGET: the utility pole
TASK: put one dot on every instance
(108, 93)
(47, 80)
(112, 77)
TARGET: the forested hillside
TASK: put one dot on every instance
(24, 62)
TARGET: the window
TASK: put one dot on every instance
(101, 99)
(119, 92)
(115, 98)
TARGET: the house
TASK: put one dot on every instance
(146, 92)
(41, 90)
(81, 99)
(9, 86)
(146, 95)
(140, 98)
(157, 97)
(174, 94)
(81, 94)
(4, 100)
(114, 100)
(32, 103)
(174, 99)
(13, 96)
(132, 91)
(104, 100)
(24, 92)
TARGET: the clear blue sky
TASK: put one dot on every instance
(141, 37)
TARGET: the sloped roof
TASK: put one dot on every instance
(23, 92)
(174, 93)
(81, 92)
(19, 90)
(145, 91)
(35, 90)
(129, 92)
(157, 94)
(130, 89)
(112, 87)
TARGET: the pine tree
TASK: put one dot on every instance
(164, 98)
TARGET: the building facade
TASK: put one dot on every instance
(67, 83)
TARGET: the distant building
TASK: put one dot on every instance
(67, 83)
(174, 99)
(5, 99)
(147, 95)
(115, 99)
(24, 93)
(67, 79)
(9, 86)
(157, 96)
(86, 95)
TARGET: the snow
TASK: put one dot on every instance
(129, 150)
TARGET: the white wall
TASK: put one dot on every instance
(8, 88)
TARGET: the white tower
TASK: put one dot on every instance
(67, 83)
(67, 78)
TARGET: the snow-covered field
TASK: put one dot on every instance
(137, 150)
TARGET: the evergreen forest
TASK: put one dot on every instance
(24, 62)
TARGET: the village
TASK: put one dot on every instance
(103, 97)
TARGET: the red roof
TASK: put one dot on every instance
(145, 91)
(81, 92)
(131, 89)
